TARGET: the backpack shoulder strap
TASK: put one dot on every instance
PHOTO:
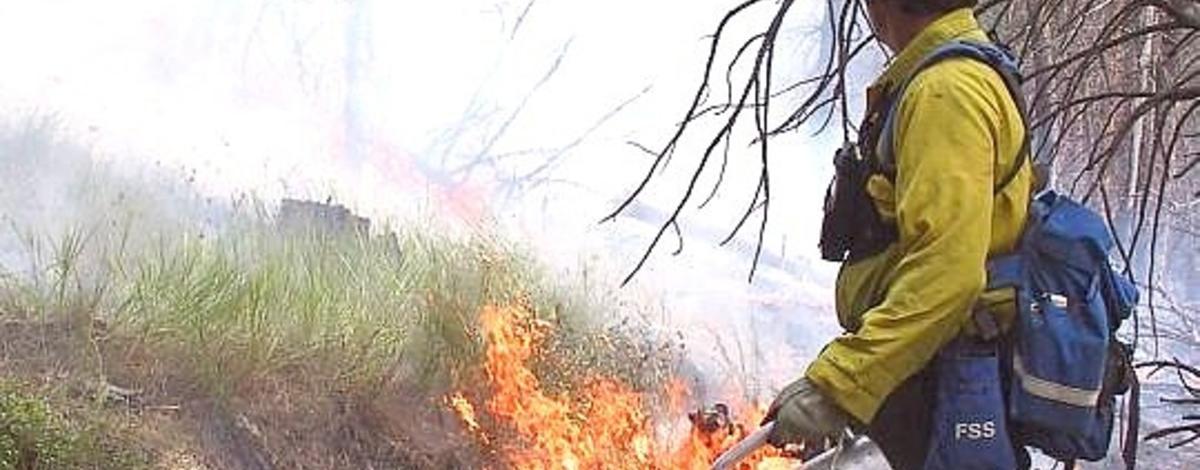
(1001, 60)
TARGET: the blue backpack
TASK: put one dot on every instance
(1066, 365)
(1051, 382)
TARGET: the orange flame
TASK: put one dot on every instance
(602, 425)
(465, 410)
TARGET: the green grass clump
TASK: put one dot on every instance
(34, 436)
(258, 300)
(361, 310)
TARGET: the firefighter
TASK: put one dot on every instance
(956, 137)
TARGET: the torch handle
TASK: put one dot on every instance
(743, 449)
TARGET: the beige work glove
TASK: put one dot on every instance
(803, 415)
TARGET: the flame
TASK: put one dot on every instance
(603, 424)
(465, 410)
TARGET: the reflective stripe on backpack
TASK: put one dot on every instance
(1049, 390)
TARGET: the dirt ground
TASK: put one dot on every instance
(287, 421)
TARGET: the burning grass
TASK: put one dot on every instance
(602, 422)
(236, 342)
(261, 326)
(304, 322)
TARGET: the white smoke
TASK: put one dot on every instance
(399, 109)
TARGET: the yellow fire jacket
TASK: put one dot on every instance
(957, 135)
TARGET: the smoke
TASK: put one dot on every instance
(64, 209)
(507, 115)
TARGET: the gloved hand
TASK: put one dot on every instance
(802, 414)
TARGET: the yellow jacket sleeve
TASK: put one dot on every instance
(946, 133)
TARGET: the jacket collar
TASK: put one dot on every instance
(958, 24)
